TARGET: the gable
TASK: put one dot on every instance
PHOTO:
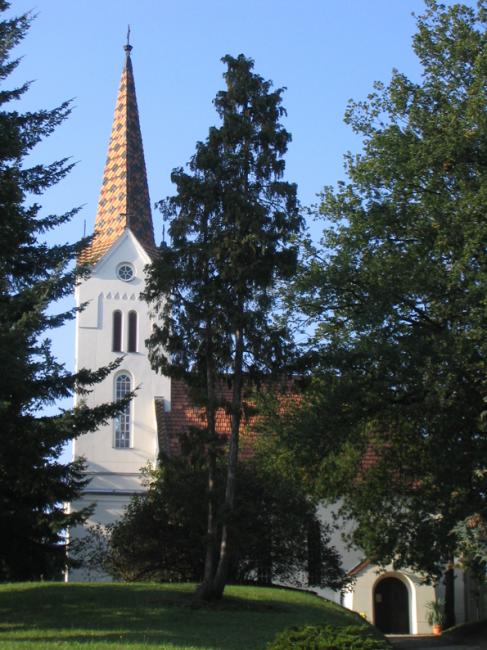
(125, 249)
(105, 284)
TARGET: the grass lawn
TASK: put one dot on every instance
(107, 616)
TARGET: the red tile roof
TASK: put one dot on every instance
(184, 414)
(358, 568)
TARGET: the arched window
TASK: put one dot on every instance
(117, 331)
(132, 333)
(123, 386)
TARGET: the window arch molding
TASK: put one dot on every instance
(123, 384)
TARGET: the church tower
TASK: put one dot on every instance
(115, 323)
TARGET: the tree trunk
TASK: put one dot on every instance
(449, 582)
(205, 589)
(221, 574)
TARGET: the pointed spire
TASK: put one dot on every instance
(124, 197)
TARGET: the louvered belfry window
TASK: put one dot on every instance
(132, 333)
(117, 331)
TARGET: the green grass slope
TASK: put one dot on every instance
(108, 616)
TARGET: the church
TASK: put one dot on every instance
(114, 325)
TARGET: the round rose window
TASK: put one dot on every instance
(125, 272)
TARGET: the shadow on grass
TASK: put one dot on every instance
(154, 615)
(125, 638)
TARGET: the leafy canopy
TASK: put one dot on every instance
(233, 222)
(397, 294)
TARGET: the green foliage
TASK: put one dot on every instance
(326, 637)
(33, 275)
(471, 535)
(233, 223)
(397, 293)
(162, 533)
(436, 612)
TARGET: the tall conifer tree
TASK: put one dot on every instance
(233, 224)
(34, 484)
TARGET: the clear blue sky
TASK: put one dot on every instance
(324, 51)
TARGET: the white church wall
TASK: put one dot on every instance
(461, 593)
(107, 293)
(115, 473)
(339, 529)
(359, 597)
(460, 604)
(107, 509)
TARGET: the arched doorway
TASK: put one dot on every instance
(391, 606)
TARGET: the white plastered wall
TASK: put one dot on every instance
(105, 293)
(338, 529)
(108, 508)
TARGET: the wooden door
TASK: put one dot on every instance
(391, 606)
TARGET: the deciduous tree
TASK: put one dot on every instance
(397, 293)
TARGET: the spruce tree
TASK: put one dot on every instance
(34, 484)
(233, 228)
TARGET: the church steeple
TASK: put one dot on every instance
(124, 197)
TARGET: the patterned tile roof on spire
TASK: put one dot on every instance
(124, 197)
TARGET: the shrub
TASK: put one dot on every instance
(162, 532)
(326, 637)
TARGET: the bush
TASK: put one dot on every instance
(161, 535)
(326, 637)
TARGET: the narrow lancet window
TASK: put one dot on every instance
(117, 331)
(123, 386)
(132, 334)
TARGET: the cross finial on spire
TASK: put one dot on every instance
(128, 47)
